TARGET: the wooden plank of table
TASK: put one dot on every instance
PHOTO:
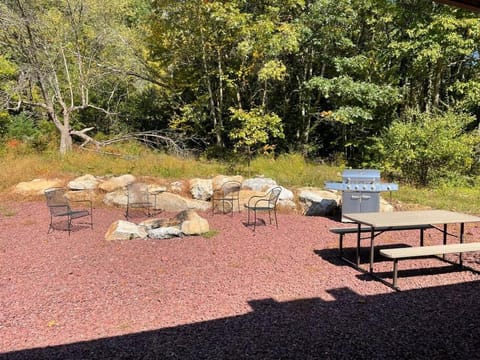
(404, 218)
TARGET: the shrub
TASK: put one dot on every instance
(428, 148)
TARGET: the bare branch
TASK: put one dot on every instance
(174, 143)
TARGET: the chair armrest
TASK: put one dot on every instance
(89, 202)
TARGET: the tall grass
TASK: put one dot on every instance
(287, 170)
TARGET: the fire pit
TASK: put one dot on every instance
(360, 190)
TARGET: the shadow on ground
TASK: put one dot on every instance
(433, 323)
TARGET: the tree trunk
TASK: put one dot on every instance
(65, 141)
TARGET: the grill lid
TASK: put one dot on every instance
(360, 175)
(365, 180)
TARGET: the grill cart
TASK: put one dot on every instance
(360, 190)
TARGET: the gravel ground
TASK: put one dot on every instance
(273, 294)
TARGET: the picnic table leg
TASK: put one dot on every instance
(357, 254)
(421, 237)
(340, 245)
(444, 237)
(372, 249)
(461, 235)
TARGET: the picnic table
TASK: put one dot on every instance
(421, 219)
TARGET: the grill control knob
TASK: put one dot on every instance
(348, 187)
(388, 188)
(372, 188)
(356, 187)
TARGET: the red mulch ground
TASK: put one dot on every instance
(272, 294)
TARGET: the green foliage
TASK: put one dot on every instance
(427, 148)
(30, 134)
(255, 128)
(329, 75)
(210, 234)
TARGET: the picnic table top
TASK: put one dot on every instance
(405, 218)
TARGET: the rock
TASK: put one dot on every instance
(172, 202)
(317, 202)
(85, 182)
(259, 184)
(201, 189)
(116, 198)
(246, 194)
(116, 183)
(178, 187)
(192, 223)
(286, 194)
(125, 230)
(80, 195)
(37, 186)
(164, 232)
(157, 223)
(219, 180)
(286, 206)
(385, 206)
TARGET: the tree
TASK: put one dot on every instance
(254, 128)
(435, 49)
(69, 55)
(346, 94)
(221, 55)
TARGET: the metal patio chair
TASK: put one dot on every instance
(139, 197)
(267, 202)
(60, 207)
(227, 195)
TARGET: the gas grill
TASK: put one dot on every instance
(360, 190)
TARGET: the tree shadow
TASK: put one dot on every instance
(433, 323)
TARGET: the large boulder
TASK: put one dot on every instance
(317, 202)
(259, 184)
(219, 180)
(125, 230)
(36, 186)
(192, 223)
(116, 198)
(172, 202)
(201, 189)
(165, 232)
(85, 182)
(115, 183)
(385, 206)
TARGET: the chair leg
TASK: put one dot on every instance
(50, 227)
(69, 225)
(254, 219)
(275, 214)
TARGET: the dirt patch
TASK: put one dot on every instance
(270, 294)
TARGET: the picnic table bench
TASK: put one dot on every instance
(424, 251)
(341, 231)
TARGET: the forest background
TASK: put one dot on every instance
(387, 84)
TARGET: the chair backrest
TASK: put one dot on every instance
(138, 193)
(231, 187)
(57, 202)
(273, 195)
